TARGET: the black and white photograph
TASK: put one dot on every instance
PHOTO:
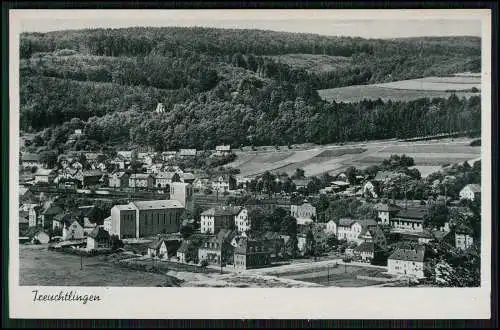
(249, 149)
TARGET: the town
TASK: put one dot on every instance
(185, 209)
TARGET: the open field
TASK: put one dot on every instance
(454, 83)
(313, 62)
(406, 90)
(428, 155)
(352, 94)
(41, 267)
(341, 276)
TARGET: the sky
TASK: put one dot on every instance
(355, 23)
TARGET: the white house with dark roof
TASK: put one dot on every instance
(31, 160)
(470, 192)
(45, 176)
(385, 212)
(222, 150)
(409, 219)
(221, 217)
(407, 262)
(304, 213)
(350, 229)
(185, 153)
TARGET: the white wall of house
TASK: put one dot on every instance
(403, 267)
(331, 227)
(242, 221)
(467, 193)
(463, 241)
(207, 224)
(75, 231)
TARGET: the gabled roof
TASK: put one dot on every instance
(474, 187)
(184, 247)
(99, 233)
(156, 244)
(42, 171)
(52, 210)
(187, 152)
(346, 222)
(416, 254)
(223, 148)
(140, 176)
(188, 176)
(250, 246)
(387, 207)
(165, 175)
(365, 247)
(92, 173)
(223, 211)
(23, 217)
(384, 175)
(413, 213)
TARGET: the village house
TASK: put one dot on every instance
(350, 229)
(33, 215)
(331, 227)
(275, 243)
(164, 179)
(158, 248)
(72, 230)
(373, 234)
(304, 213)
(45, 176)
(48, 213)
(470, 192)
(242, 221)
(222, 150)
(407, 262)
(220, 217)
(141, 180)
(463, 237)
(167, 155)
(409, 219)
(107, 224)
(370, 190)
(93, 157)
(118, 180)
(92, 178)
(126, 154)
(365, 252)
(187, 153)
(251, 253)
(23, 221)
(385, 212)
(187, 252)
(145, 218)
(224, 183)
(383, 176)
(218, 248)
(187, 177)
(301, 183)
(201, 183)
(121, 162)
(302, 243)
(59, 220)
(31, 160)
(98, 239)
(160, 108)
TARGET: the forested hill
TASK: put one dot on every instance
(228, 86)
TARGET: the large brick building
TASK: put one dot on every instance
(146, 218)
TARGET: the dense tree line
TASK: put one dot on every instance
(218, 86)
(178, 40)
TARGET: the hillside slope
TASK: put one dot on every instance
(243, 87)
